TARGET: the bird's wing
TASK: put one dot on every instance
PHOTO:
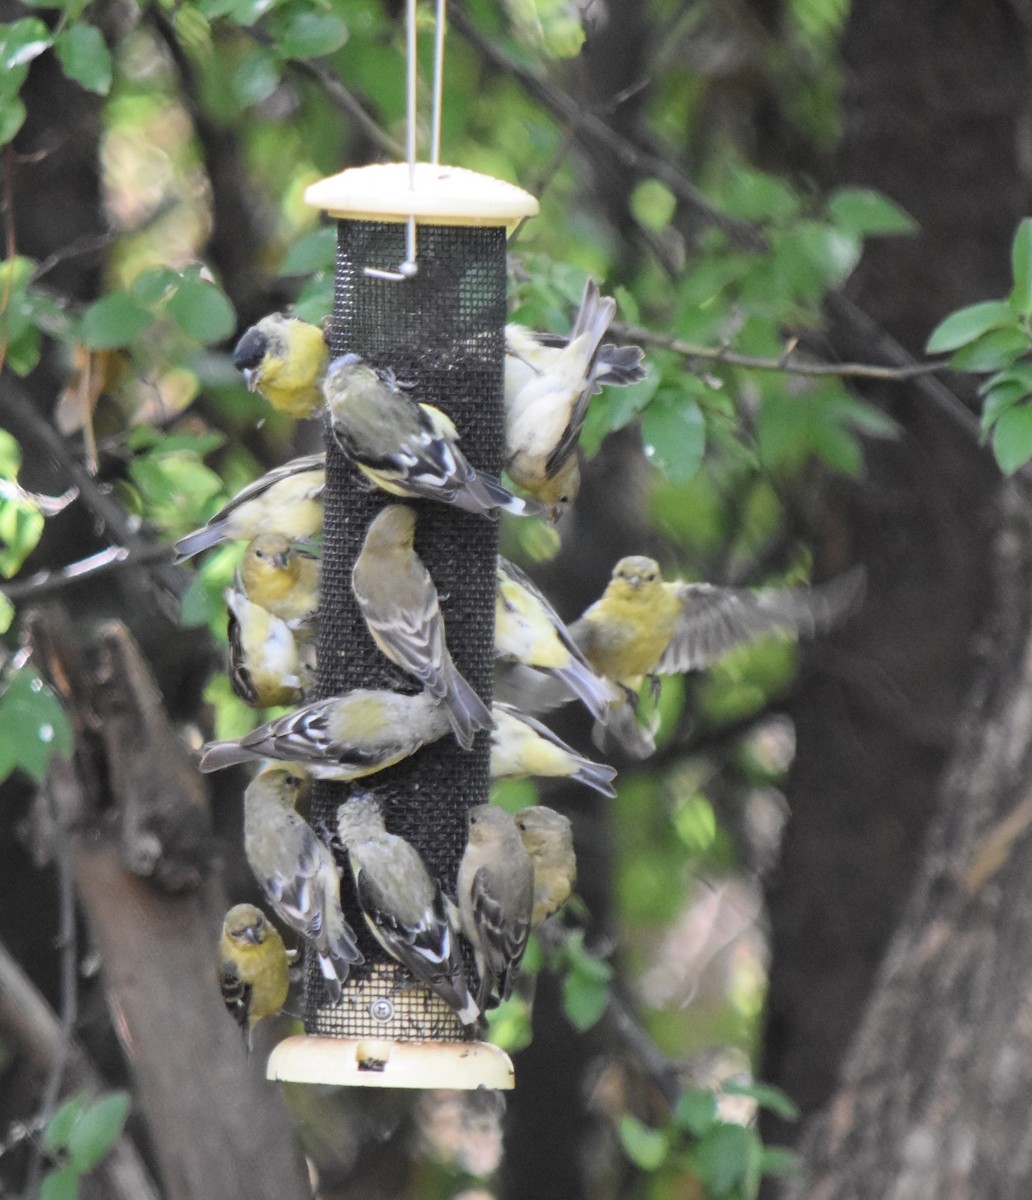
(714, 620)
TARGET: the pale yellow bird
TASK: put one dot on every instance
(548, 838)
(642, 626)
(286, 500)
(403, 905)
(407, 448)
(282, 578)
(253, 969)
(522, 747)
(265, 668)
(495, 891)
(398, 599)
(529, 631)
(285, 359)
(297, 871)
(549, 382)
(343, 737)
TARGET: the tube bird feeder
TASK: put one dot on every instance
(440, 329)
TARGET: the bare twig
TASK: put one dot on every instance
(33, 428)
(345, 101)
(68, 946)
(46, 583)
(571, 111)
(786, 362)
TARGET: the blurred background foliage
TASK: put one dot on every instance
(208, 119)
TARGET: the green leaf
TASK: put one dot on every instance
(1021, 268)
(722, 1157)
(996, 402)
(646, 1148)
(765, 1096)
(992, 351)
(84, 57)
(509, 1023)
(153, 284)
(1012, 438)
(113, 321)
(306, 33)
(21, 525)
(316, 299)
(863, 213)
(966, 324)
(696, 1111)
(585, 985)
(22, 41)
(653, 205)
(780, 1161)
(316, 251)
(7, 614)
(58, 1128)
(34, 727)
(97, 1130)
(673, 435)
(256, 78)
(202, 310)
(12, 117)
(60, 1184)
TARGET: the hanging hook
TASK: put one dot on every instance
(410, 266)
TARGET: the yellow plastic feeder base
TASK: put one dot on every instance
(374, 1062)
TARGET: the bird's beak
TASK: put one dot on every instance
(251, 934)
(251, 379)
(280, 559)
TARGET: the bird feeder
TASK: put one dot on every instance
(419, 289)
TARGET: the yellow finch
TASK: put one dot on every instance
(404, 907)
(405, 448)
(529, 631)
(642, 626)
(264, 665)
(253, 968)
(549, 382)
(286, 500)
(282, 578)
(285, 359)
(398, 599)
(344, 737)
(548, 838)
(496, 899)
(296, 871)
(521, 746)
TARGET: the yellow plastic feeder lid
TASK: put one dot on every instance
(442, 196)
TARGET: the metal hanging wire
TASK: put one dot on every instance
(410, 265)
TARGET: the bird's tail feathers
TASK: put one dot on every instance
(593, 318)
(619, 731)
(330, 971)
(217, 755)
(593, 692)
(618, 366)
(485, 494)
(466, 711)
(193, 543)
(595, 775)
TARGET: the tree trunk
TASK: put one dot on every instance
(933, 99)
(933, 1099)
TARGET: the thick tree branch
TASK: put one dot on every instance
(30, 1024)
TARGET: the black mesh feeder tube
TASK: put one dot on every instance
(441, 330)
